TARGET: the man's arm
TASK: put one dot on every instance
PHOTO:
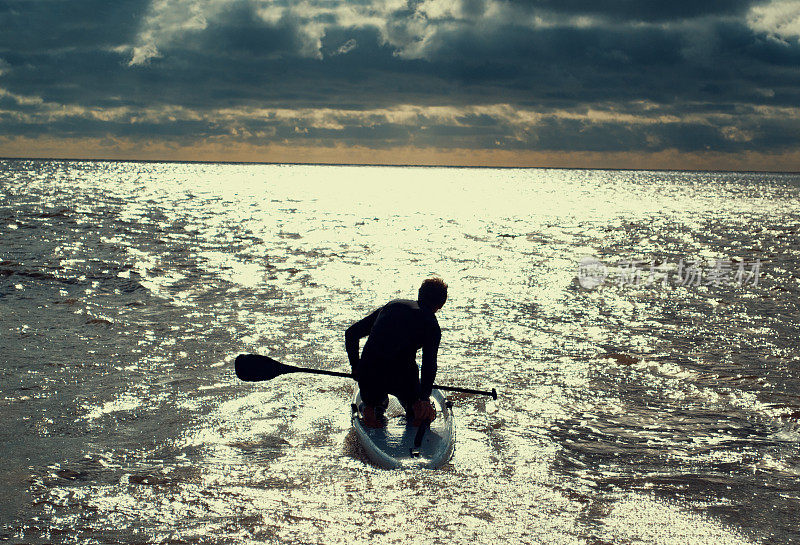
(428, 371)
(355, 333)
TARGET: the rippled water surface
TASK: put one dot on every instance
(643, 409)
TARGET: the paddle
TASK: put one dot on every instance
(256, 368)
(423, 429)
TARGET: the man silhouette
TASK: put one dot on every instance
(388, 362)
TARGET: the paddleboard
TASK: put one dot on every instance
(393, 445)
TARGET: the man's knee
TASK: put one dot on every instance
(372, 393)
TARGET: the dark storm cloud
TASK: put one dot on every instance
(719, 61)
(690, 76)
(641, 10)
(74, 126)
(47, 25)
(238, 32)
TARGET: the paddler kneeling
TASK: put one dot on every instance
(388, 362)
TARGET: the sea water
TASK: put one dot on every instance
(641, 329)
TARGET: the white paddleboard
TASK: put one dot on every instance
(393, 446)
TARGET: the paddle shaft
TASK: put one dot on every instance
(293, 369)
(423, 429)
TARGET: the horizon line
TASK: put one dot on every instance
(392, 165)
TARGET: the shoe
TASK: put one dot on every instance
(373, 416)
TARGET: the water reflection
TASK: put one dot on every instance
(625, 415)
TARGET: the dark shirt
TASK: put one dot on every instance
(396, 331)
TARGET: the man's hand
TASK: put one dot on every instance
(423, 412)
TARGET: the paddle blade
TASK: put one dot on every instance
(255, 368)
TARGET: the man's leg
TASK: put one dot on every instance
(406, 388)
(375, 398)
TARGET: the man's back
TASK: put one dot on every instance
(401, 328)
(396, 331)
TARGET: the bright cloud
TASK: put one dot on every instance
(780, 18)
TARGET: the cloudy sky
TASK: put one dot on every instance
(617, 83)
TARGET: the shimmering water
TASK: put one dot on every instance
(635, 412)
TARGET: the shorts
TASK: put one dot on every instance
(378, 382)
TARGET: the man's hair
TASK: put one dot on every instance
(433, 292)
